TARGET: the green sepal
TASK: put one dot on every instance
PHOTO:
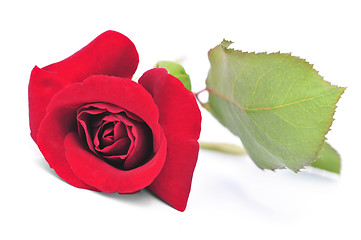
(176, 70)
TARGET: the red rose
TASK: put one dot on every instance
(100, 130)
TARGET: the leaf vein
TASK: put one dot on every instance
(211, 91)
(257, 81)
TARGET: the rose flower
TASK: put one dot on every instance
(101, 131)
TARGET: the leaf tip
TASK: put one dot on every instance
(225, 43)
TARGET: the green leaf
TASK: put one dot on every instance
(278, 105)
(328, 159)
(176, 70)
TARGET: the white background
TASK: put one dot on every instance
(230, 197)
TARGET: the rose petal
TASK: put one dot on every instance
(120, 130)
(111, 53)
(119, 147)
(99, 135)
(61, 119)
(52, 132)
(83, 118)
(180, 119)
(95, 172)
(114, 109)
(142, 146)
(108, 135)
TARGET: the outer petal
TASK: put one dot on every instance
(60, 120)
(180, 119)
(111, 53)
(52, 132)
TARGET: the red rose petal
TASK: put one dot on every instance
(52, 132)
(95, 172)
(112, 108)
(83, 130)
(180, 119)
(142, 146)
(61, 120)
(107, 136)
(118, 148)
(111, 53)
(120, 130)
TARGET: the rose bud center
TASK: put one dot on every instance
(117, 136)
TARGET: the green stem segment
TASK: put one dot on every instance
(223, 147)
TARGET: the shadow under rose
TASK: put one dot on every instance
(140, 198)
(43, 164)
